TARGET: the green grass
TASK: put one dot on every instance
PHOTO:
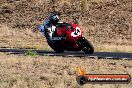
(31, 53)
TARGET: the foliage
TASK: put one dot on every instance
(30, 53)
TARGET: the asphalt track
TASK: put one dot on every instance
(105, 55)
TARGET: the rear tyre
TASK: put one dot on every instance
(86, 46)
(55, 47)
(53, 44)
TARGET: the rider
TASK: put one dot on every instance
(49, 26)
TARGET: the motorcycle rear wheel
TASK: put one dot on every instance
(55, 47)
(53, 44)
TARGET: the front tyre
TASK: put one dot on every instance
(86, 46)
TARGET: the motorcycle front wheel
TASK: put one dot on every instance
(86, 46)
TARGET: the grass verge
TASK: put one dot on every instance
(56, 72)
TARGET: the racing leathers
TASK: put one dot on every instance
(48, 29)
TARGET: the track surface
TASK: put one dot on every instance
(109, 55)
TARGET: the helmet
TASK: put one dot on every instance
(54, 18)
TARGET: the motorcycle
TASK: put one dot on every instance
(68, 36)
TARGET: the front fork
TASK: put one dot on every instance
(79, 41)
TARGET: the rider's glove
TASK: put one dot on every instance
(41, 28)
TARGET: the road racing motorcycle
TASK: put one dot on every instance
(68, 36)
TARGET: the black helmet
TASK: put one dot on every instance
(54, 18)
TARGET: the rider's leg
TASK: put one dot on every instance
(49, 33)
